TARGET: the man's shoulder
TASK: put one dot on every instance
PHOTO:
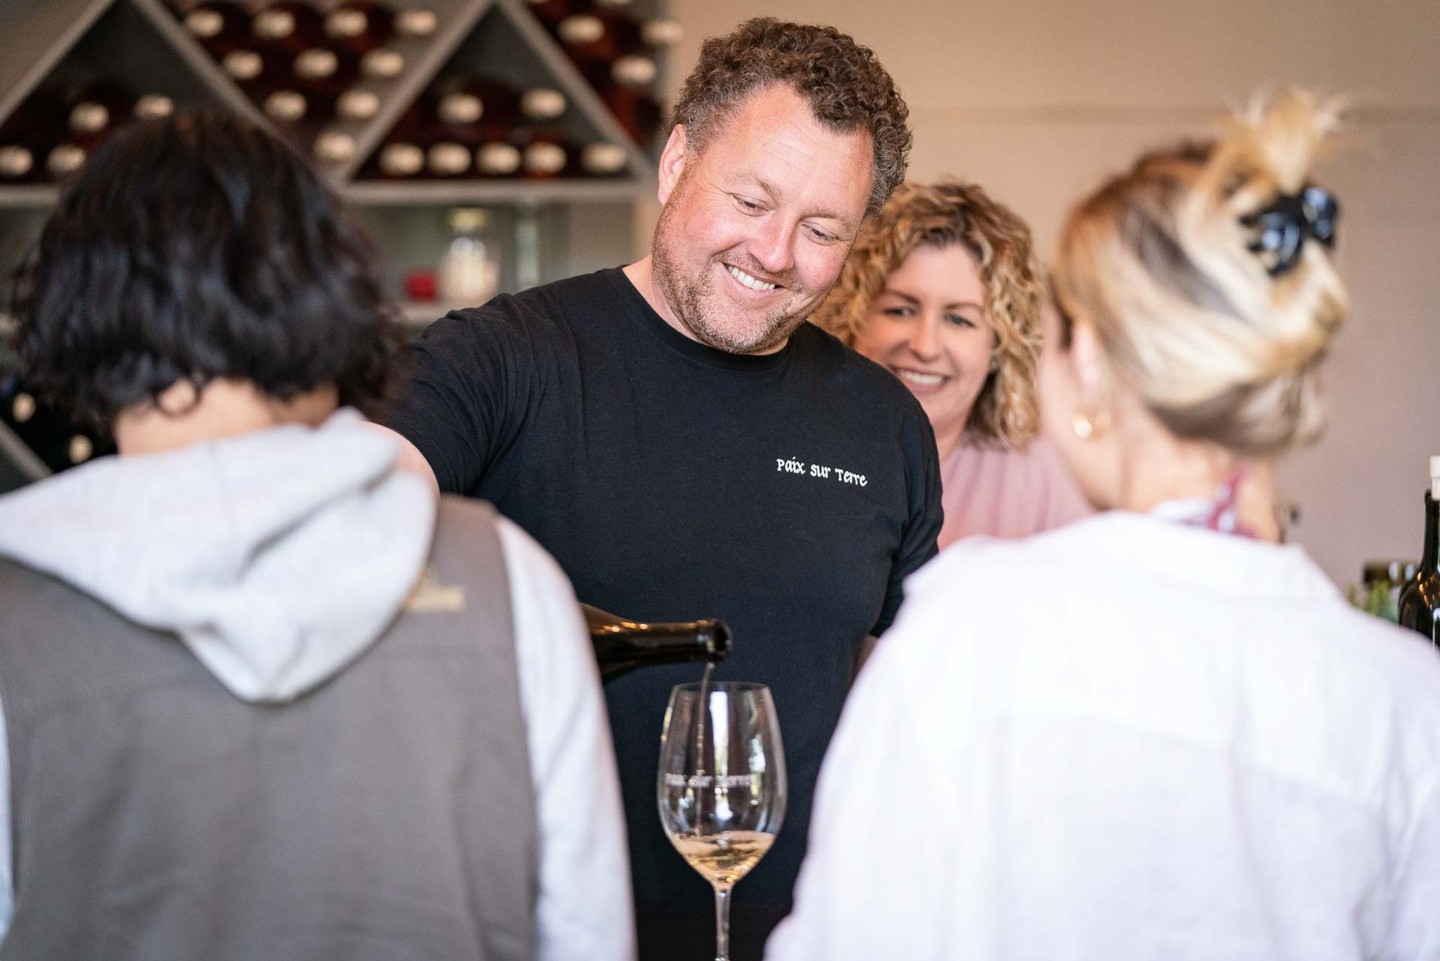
(824, 352)
(555, 302)
(865, 384)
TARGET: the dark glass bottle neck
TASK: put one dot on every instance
(1432, 532)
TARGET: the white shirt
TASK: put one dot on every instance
(1128, 739)
(584, 908)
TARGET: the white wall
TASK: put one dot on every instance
(1039, 100)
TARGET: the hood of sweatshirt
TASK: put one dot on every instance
(277, 557)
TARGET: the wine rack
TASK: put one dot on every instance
(609, 110)
(573, 123)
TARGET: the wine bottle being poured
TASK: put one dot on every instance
(623, 645)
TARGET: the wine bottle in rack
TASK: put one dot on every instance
(448, 159)
(286, 106)
(152, 106)
(399, 160)
(360, 26)
(27, 135)
(475, 109)
(220, 26)
(543, 104)
(497, 158)
(545, 160)
(551, 12)
(258, 69)
(638, 113)
(95, 108)
(98, 107)
(326, 76)
(471, 102)
(290, 25)
(17, 162)
(382, 64)
(334, 147)
(402, 153)
(357, 105)
(65, 158)
(44, 430)
(603, 159)
(601, 34)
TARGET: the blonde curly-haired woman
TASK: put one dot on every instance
(943, 290)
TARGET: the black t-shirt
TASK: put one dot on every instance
(787, 494)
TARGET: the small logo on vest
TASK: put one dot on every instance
(429, 596)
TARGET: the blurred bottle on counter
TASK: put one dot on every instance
(1419, 603)
(469, 273)
(623, 645)
(1378, 592)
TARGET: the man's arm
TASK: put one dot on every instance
(465, 373)
(922, 527)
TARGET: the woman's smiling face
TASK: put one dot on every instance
(929, 328)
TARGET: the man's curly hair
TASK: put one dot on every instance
(938, 215)
(844, 83)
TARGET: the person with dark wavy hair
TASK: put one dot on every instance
(236, 266)
(262, 699)
(686, 445)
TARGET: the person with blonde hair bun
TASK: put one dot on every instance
(943, 290)
(1156, 732)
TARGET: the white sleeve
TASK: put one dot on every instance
(874, 880)
(7, 845)
(1415, 930)
(584, 911)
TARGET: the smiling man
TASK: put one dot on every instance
(686, 445)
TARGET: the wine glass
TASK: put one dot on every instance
(722, 784)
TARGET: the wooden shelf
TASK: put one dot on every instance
(29, 195)
(518, 192)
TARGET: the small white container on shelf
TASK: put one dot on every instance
(469, 273)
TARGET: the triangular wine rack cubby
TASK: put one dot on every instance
(145, 47)
(51, 40)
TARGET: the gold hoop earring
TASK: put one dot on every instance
(1086, 424)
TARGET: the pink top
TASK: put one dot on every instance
(1007, 493)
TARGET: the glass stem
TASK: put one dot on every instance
(722, 923)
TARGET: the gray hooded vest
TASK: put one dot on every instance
(386, 814)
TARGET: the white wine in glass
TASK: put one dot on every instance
(722, 784)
